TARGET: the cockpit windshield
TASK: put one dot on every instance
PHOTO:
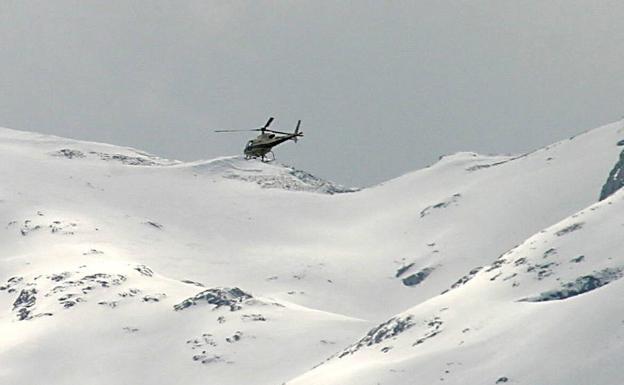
(249, 144)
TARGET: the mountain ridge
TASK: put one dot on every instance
(321, 270)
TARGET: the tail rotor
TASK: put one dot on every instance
(297, 132)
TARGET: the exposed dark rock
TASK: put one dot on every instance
(68, 304)
(154, 224)
(403, 269)
(434, 329)
(542, 270)
(154, 298)
(417, 278)
(615, 180)
(204, 341)
(125, 159)
(188, 281)
(70, 300)
(235, 338)
(496, 265)
(144, 270)
(579, 286)
(93, 252)
(105, 280)
(219, 297)
(11, 284)
(502, 380)
(26, 298)
(549, 252)
(578, 259)
(292, 179)
(111, 304)
(440, 205)
(130, 293)
(68, 290)
(24, 303)
(69, 154)
(488, 165)
(322, 185)
(253, 317)
(62, 228)
(389, 329)
(569, 229)
(463, 280)
(27, 227)
(207, 359)
(87, 289)
(59, 277)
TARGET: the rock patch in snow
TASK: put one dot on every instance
(579, 286)
(220, 296)
(417, 278)
(615, 180)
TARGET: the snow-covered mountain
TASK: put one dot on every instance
(118, 266)
(548, 311)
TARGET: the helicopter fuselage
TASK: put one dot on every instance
(262, 145)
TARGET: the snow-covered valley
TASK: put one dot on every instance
(119, 267)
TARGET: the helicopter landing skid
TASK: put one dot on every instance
(271, 159)
(264, 158)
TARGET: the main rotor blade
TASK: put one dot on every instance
(280, 132)
(253, 129)
(285, 133)
(268, 123)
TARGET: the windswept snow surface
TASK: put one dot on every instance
(548, 311)
(117, 266)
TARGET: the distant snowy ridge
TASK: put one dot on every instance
(59, 147)
(266, 175)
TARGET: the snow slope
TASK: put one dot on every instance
(548, 311)
(121, 267)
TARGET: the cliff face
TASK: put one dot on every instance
(615, 181)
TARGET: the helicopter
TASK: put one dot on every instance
(261, 146)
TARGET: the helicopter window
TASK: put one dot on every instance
(271, 136)
(249, 144)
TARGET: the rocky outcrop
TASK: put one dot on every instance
(64, 290)
(389, 329)
(220, 296)
(579, 286)
(615, 181)
(24, 302)
(418, 277)
(269, 175)
(292, 179)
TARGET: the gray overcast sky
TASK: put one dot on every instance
(383, 87)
